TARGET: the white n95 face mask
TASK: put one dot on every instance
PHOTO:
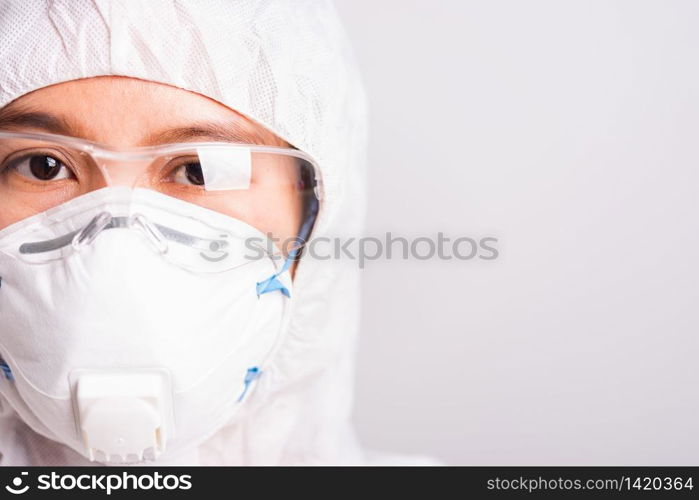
(133, 322)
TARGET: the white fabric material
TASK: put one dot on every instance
(288, 66)
(118, 303)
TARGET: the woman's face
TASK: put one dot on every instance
(125, 112)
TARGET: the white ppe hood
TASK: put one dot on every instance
(288, 66)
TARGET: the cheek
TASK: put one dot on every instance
(17, 211)
(6, 218)
(280, 214)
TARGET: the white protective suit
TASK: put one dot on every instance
(287, 65)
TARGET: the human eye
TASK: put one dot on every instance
(208, 169)
(40, 167)
(188, 173)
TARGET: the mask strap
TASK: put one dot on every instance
(252, 373)
(272, 283)
(6, 370)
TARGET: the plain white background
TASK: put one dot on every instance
(569, 131)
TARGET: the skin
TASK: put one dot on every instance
(122, 112)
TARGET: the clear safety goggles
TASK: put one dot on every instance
(265, 187)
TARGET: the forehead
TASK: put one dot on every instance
(127, 112)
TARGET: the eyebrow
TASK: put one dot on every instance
(211, 130)
(217, 131)
(50, 123)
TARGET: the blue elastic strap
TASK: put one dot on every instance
(6, 370)
(251, 375)
(272, 283)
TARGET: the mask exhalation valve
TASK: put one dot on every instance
(123, 417)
